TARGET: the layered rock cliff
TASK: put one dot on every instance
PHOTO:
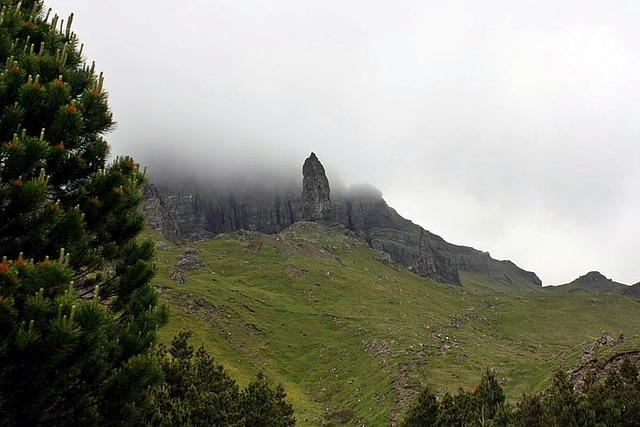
(190, 215)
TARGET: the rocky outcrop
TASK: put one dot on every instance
(189, 215)
(190, 260)
(316, 201)
(590, 365)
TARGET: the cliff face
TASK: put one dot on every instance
(190, 215)
(176, 215)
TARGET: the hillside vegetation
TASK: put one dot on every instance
(353, 336)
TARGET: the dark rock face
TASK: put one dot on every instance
(315, 197)
(593, 277)
(187, 215)
(421, 251)
(371, 219)
(176, 215)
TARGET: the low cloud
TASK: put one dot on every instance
(508, 126)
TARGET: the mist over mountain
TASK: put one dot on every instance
(335, 213)
(246, 181)
(194, 212)
(511, 127)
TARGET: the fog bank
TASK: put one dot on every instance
(512, 127)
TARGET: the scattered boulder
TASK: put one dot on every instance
(254, 247)
(296, 272)
(178, 277)
(342, 417)
(162, 246)
(383, 257)
(606, 339)
(190, 260)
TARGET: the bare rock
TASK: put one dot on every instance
(162, 246)
(606, 339)
(178, 277)
(316, 200)
(190, 260)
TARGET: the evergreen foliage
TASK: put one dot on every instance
(610, 401)
(561, 403)
(529, 411)
(77, 334)
(76, 331)
(477, 407)
(424, 411)
(261, 406)
(196, 392)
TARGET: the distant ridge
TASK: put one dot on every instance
(593, 281)
(192, 215)
(633, 291)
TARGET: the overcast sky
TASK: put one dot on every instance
(510, 126)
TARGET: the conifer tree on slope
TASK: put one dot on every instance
(77, 311)
(194, 391)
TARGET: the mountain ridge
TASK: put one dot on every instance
(596, 282)
(193, 215)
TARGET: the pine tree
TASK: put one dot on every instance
(448, 413)
(194, 391)
(529, 411)
(610, 401)
(615, 400)
(424, 411)
(75, 331)
(562, 405)
(489, 395)
(262, 406)
(630, 394)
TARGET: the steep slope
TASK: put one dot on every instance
(189, 215)
(353, 335)
(593, 282)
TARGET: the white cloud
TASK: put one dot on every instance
(509, 126)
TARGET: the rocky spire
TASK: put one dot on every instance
(316, 200)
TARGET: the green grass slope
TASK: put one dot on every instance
(353, 336)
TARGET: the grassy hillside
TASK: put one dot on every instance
(353, 336)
